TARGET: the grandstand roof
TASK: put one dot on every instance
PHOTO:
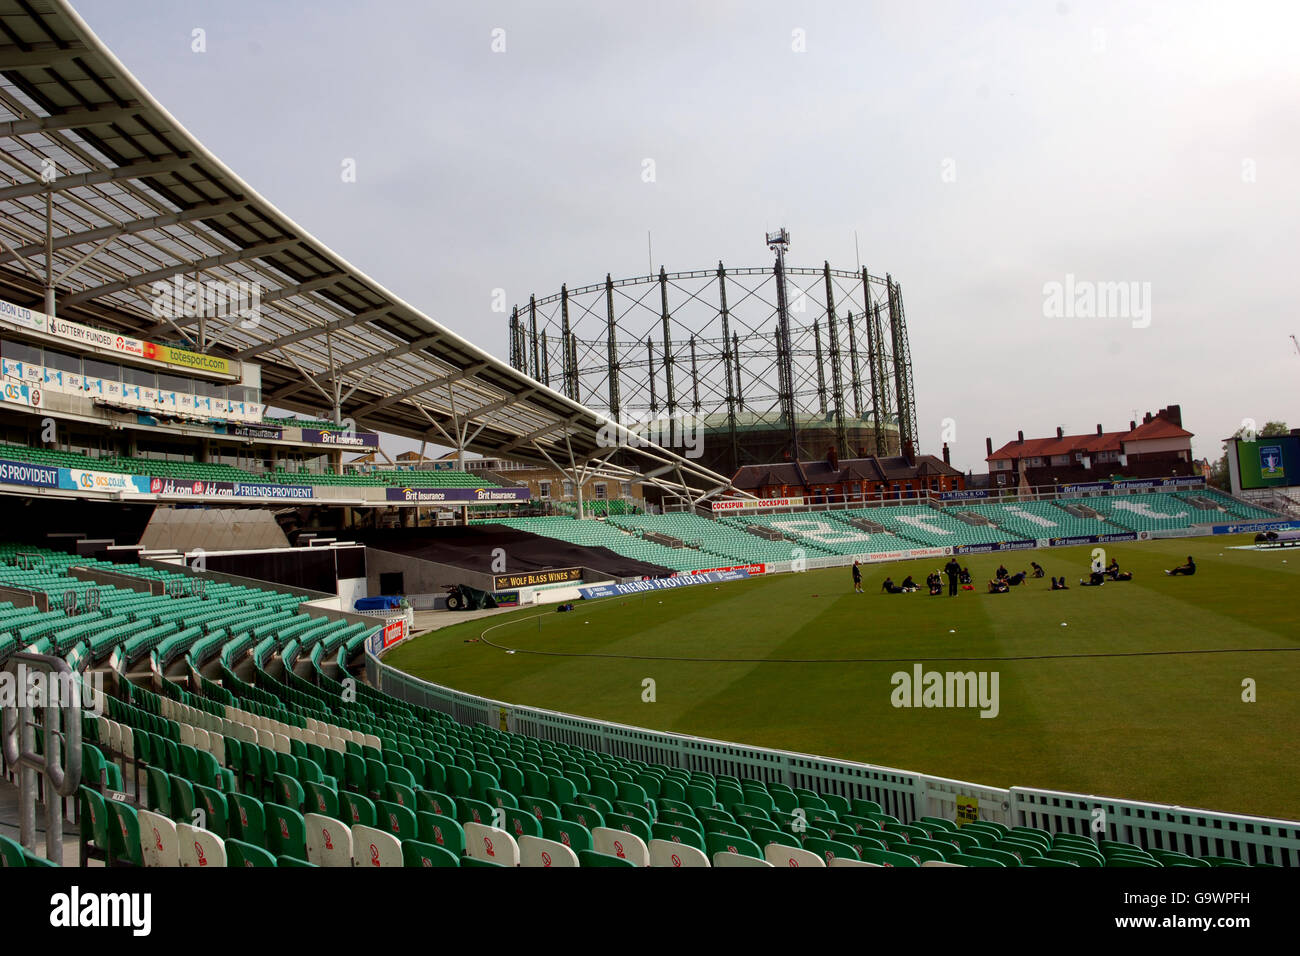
(134, 199)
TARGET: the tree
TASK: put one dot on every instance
(1219, 470)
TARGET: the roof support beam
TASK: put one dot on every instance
(198, 265)
(204, 211)
(73, 119)
(97, 178)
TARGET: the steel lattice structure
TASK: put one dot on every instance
(707, 343)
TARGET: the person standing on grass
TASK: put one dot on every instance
(857, 577)
(952, 569)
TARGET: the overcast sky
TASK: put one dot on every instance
(981, 150)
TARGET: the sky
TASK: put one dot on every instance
(989, 155)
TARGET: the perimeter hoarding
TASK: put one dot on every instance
(661, 584)
(458, 496)
(533, 579)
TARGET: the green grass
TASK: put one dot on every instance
(1167, 729)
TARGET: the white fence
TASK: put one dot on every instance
(905, 795)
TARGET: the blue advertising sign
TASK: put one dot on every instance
(1252, 527)
(1131, 484)
(994, 546)
(340, 439)
(1092, 539)
(458, 496)
(662, 584)
(23, 473)
(971, 495)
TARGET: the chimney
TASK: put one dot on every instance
(988, 447)
(909, 453)
(1146, 418)
(1174, 413)
(833, 458)
(1099, 428)
(1060, 433)
(1020, 438)
(1132, 424)
(946, 459)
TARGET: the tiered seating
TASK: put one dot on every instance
(925, 525)
(598, 534)
(203, 471)
(817, 534)
(153, 467)
(1030, 520)
(1233, 509)
(722, 538)
(1143, 512)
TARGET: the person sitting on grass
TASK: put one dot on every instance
(999, 586)
(891, 587)
(1188, 568)
(909, 585)
(963, 576)
(935, 581)
(1112, 569)
(1095, 579)
(1038, 569)
(1002, 571)
(1060, 585)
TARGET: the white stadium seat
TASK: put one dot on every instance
(779, 855)
(200, 847)
(158, 843)
(534, 851)
(620, 843)
(329, 842)
(672, 854)
(490, 844)
(371, 847)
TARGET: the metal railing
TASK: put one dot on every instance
(60, 761)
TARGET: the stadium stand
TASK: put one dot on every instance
(598, 534)
(201, 471)
(473, 548)
(1141, 512)
(1030, 520)
(722, 538)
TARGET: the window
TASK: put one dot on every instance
(104, 370)
(139, 376)
(175, 383)
(544, 489)
(21, 352)
(62, 361)
(601, 491)
(626, 488)
(568, 489)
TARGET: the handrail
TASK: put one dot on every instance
(61, 720)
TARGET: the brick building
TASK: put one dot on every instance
(1157, 447)
(852, 479)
